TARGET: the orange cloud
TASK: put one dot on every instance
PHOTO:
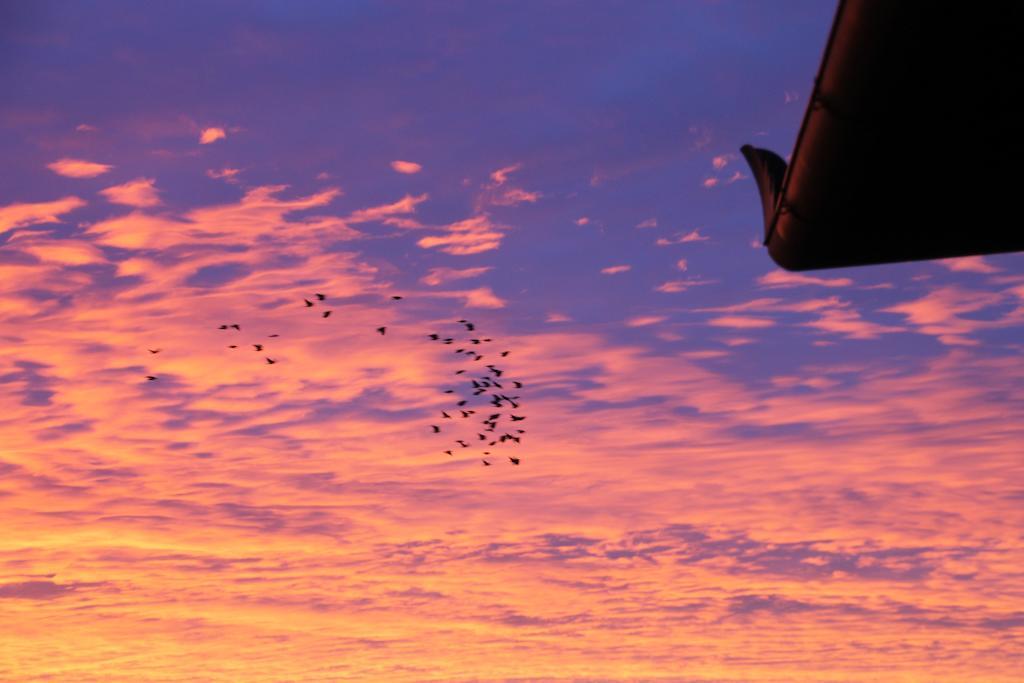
(613, 270)
(710, 182)
(583, 220)
(35, 213)
(681, 264)
(210, 135)
(407, 167)
(140, 192)
(78, 168)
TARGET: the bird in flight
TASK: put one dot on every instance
(271, 361)
(232, 346)
(236, 326)
(435, 337)
(320, 297)
(516, 418)
(396, 298)
(486, 464)
(154, 350)
(307, 302)
(515, 461)
(436, 429)
(448, 452)
(445, 415)
(382, 330)
(326, 314)
(258, 347)
(273, 335)
(462, 443)
(150, 378)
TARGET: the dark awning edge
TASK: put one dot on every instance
(907, 149)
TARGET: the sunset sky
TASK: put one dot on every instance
(729, 472)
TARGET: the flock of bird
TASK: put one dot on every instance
(486, 385)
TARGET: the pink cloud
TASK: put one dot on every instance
(648, 223)
(614, 270)
(741, 322)
(500, 177)
(210, 135)
(969, 264)
(783, 278)
(481, 297)
(470, 236)
(645, 320)
(849, 323)
(676, 286)
(407, 167)
(583, 220)
(721, 161)
(557, 318)
(692, 236)
(512, 196)
(390, 214)
(140, 192)
(226, 174)
(681, 264)
(438, 276)
(22, 215)
(736, 175)
(78, 168)
(85, 128)
(710, 182)
(940, 313)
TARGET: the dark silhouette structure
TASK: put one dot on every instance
(910, 147)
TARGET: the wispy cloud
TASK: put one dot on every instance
(783, 278)
(470, 236)
(78, 168)
(648, 223)
(391, 214)
(407, 167)
(229, 175)
(969, 264)
(211, 135)
(645, 320)
(140, 192)
(440, 275)
(692, 236)
(614, 270)
(35, 213)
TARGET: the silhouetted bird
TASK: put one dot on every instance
(321, 297)
(482, 437)
(258, 347)
(326, 314)
(154, 350)
(449, 340)
(397, 298)
(223, 327)
(494, 417)
(382, 330)
(150, 378)
(449, 391)
(517, 385)
(515, 461)
(466, 413)
(487, 464)
(435, 337)
(307, 302)
(462, 402)
(271, 361)
(273, 335)
(504, 353)
(445, 415)
(233, 346)
(436, 429)
(516, 418)
(459, 372)
(462, 443)
(236, 326)
(448, 452)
